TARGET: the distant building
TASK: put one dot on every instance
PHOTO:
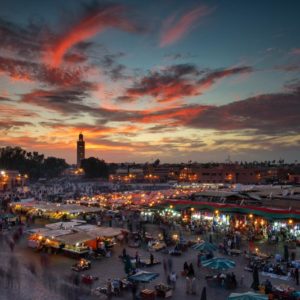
(80, 150)
(294, 178)
(73, 171)
(127, 175)
(11, 179)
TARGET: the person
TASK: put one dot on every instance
(134, 290)
(151, 259)
(297, 276)
(116, 287)
(170, 264)
(268, 286)
(229, 242)
(173, 279)
(124, 253)
(165, 266)
(137, 259)
(210, 238)
(242, 281)
(109, 289)
(233, 279)
(193, 286)
(188, 285)
(185, 268)
(199, 256)
(210, 255)
(76, 280)
(191, 272)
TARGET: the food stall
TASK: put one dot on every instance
(106, 235)
(74, 238)
(144, 277)
(75, 244)
(46, 238)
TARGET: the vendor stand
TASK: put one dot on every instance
(144, 277)
(247, 296)
(75, 244)
(157, 246)
(221, 280)
(163, 290)
(283, 292)
(204, 246)
(147, 294)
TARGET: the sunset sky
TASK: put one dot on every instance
(175, 80)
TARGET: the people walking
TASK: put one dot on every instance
(151, 259)
(191, 272)
(137, 259)
(109, 289)
(134, 291)
(185, 268)
(188, 282)
(173, 279)
(124, 253)
(193, 286)
(170, 264)
(165, 266)
(297, 276)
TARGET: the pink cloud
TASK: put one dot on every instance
(174, 31)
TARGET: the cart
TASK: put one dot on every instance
(88, 279)
(82, 265)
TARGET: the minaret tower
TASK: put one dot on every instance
(80, 150)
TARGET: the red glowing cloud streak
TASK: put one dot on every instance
(179, 116)
(89, 26)
(174, 32)
(165, 92)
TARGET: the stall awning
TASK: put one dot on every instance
(101, 231)
(73, 239)
(56, 233)
(266, 212)
(63, 225)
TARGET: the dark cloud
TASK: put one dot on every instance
(174, 56)
(75, 58)
(183, 142)
(25, 41)
(27, 70)
(269, 113)
(210, 78)
(64, 101)
(177, 81)
(5, 99)
(111, 66)
(288, 67)
(11, 124)
(84, 46)
(72, 102)
(160, 128)
(266, 114)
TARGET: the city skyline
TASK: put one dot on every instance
(168, 79)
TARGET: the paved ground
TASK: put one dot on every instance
(30, 281)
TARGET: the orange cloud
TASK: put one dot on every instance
(174, 31)
(87, 27)
(68, 132)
